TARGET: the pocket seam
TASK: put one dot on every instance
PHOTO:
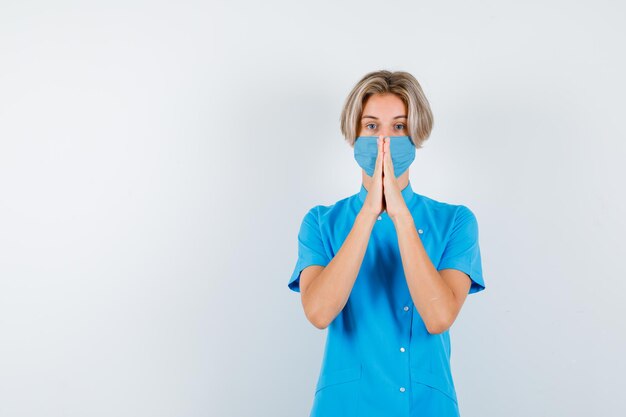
(422, 376)
(338, 376)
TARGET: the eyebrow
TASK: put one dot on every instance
(372, 117)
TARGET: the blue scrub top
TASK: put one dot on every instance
(379, 359)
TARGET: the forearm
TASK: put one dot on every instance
(432, 297)
(328, 293)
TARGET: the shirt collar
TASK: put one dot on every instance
(407, 193)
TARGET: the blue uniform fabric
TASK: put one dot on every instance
(379, 359)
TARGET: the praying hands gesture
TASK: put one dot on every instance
(385, 193)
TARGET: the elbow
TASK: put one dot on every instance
(318, 321)
(320, 324)
(438, 326)
(315, 314)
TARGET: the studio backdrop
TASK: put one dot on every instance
(157, 159)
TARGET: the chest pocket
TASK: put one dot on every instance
(337, 393)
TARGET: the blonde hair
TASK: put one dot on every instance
(405, 86)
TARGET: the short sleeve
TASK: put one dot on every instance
(462, 250)
(310, 247)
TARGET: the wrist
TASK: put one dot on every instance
(367, 216)
(404, 215)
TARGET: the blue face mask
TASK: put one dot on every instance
(401, 148)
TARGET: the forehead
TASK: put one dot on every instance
(383, 104)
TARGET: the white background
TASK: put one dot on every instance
(156, 161)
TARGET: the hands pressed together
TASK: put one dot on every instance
(384, 192)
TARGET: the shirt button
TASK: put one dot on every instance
(380, 217)
(402, 389)
(401, 349)
(406, 308)
(420, 231)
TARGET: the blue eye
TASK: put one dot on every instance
(369, 124)
(401, 126)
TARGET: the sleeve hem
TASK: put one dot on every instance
(294, 282)
(478, 284)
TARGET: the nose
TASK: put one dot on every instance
(386, 131)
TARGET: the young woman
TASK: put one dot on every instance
(387, 269)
